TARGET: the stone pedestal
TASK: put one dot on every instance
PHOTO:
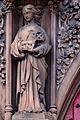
(32, 116)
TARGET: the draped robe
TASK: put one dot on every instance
(31, 71)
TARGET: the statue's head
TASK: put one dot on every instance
(29, 12)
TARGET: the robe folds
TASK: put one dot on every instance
(31, 70)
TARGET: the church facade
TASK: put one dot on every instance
(61, 21)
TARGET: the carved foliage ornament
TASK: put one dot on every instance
(53, 5)
(5, 6)
(8, 5)
(2, 44)
(68, 36)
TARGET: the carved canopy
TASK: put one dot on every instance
(35, 2)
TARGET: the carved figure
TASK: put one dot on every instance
(30, 46)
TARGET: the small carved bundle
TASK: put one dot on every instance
(33, 40)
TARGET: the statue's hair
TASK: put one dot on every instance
(38, 11)
(29, 7)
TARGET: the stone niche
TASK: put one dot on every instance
(12, 14)
(18, 22)
(61, 22)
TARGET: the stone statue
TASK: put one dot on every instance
(30, 46)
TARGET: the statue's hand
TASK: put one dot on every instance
(41, 50)
(26, 45)
(22, 46)
(37, 51)
(34, 50)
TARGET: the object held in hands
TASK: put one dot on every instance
(33, 40)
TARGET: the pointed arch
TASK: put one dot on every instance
(69, 87)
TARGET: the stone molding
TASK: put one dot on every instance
(8, 4)
(69, 87)
(32, 116)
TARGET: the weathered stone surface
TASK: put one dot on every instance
(68, 37)
(2, 44)
(32, 116)
(31, 43)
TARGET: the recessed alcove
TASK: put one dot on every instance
(18, 21)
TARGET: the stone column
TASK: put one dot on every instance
(8, 107)
(53, 108)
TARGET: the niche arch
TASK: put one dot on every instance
(69, 88)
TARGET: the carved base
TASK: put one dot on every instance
(32, 116)
(53, 110)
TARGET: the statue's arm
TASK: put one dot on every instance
(16, 48)
(41, 50)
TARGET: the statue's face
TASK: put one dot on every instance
(28, 15)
